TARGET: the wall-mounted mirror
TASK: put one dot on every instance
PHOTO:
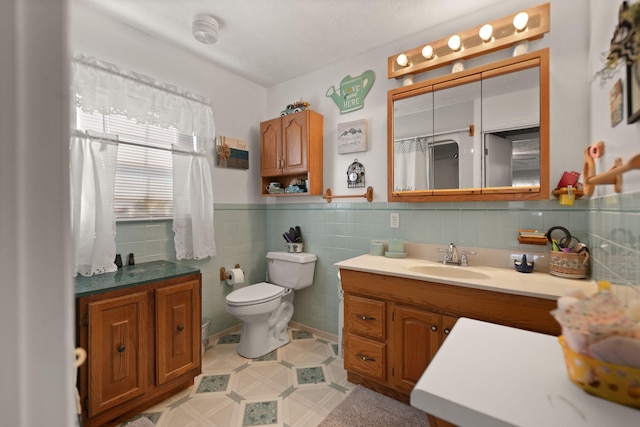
(479, 134)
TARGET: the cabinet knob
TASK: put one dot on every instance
(434, 328)
(365, 358)
(121, 348)
(446, 331)
(180, 328)
(363, 317)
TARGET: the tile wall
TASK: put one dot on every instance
(337, 231)
(240, 239)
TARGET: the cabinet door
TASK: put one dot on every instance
(116, 355)
(271, 147)
(294, 142)
(416, 338)
(177, 330)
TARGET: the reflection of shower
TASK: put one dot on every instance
(421, 164)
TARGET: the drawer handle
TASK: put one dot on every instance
(365, 358)
(121, 348)
(446, 331)
(363, 317)
(180, 328)
(434, 328)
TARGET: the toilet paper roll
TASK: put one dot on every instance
(236, 275)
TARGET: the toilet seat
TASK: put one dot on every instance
(255, 294)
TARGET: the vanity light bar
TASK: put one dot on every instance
(529, 24)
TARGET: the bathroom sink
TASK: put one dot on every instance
(448, 271)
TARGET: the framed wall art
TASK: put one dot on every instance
(232, 153)
(352, 136)
(633, 92)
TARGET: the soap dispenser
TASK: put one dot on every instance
(523, 266)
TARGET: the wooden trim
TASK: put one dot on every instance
(542, 192)
(475, 47)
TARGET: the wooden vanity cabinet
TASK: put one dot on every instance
(291, 147)
(394, 326)
(143, 345)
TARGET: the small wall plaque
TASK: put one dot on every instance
(352, 137)
(232, 153)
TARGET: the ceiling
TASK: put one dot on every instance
(273, 41)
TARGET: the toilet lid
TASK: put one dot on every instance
(255, 294)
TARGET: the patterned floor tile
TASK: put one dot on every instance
(296, 385)
(260, 413)
(312, 375)
(301, 335)
(229, 339)
(212, 383)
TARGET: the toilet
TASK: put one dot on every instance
(266, 308)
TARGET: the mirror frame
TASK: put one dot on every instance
(539, 58)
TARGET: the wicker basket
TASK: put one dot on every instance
(569, 264)
(616, 383)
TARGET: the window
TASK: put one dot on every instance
(144, 175)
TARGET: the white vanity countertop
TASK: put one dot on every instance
(537, 284)
(488, 375)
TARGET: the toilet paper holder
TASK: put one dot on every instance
(224, 275)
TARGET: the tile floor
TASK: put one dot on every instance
(295, 385)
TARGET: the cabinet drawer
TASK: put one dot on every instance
(365, 316)
(366, 357)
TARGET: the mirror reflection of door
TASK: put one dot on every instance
(497, 152)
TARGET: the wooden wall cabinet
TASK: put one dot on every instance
(394, 326)
(143, 345)
(291, 148)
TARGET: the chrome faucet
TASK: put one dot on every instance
(451, 256)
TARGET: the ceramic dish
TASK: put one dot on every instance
(395, 254)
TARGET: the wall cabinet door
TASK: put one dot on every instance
(177, 330)
(294, 143)
(271, 147)
(416, 338)
(117, 356)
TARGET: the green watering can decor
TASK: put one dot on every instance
(353, 90)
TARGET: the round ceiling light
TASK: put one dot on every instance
(205, 29)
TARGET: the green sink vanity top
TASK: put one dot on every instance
(131, 275)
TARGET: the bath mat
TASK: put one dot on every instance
(366, 408)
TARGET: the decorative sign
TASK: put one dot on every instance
(352, 136)
(615, 103)
(232, 153)
(350, 96)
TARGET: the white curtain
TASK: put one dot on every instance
(192, 207)
(105, 88)
(99, 86)
(411, 164)
(93, 225)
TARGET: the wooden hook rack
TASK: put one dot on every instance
(368, 195)
(223, 273)
(614, 175)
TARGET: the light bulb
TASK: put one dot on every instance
(454, 42)
(520, 21)
(402, 60)
(427, 52)
(486, 32)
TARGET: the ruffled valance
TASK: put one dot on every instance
(99, 86)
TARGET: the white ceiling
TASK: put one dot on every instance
(272, 41)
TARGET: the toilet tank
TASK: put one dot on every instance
(291, 270)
